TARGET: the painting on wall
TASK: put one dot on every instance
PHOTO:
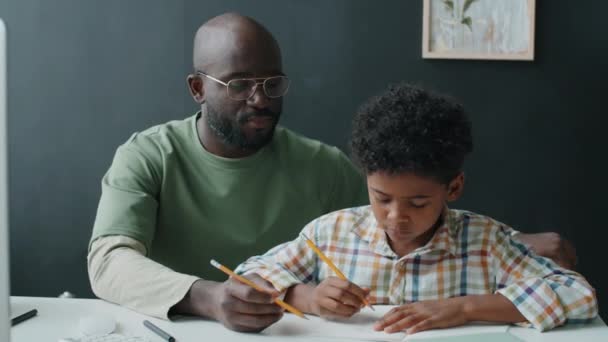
(478, 29)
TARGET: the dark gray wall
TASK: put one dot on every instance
(84, 75)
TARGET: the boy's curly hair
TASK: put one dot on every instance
(408, 129)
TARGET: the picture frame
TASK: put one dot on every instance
(479, 29)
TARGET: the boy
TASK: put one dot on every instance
(445, 267)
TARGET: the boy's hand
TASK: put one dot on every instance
(336, 298)
(424, 315)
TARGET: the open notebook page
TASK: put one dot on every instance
(360, 328)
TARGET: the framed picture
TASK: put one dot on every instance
(478, 29)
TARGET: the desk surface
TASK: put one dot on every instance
(58, 318)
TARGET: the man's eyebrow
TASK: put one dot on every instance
(243, 74)
(237, 75)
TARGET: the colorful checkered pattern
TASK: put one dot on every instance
(469, 254)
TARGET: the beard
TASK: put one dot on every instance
(231, 131)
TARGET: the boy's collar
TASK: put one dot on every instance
(444, 238)
(368, 230)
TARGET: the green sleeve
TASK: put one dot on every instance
(347, 187)
(129, 192)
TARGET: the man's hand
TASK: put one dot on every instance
(236, 305)
(240, 307)
(335, 298)
(552, 246)
(424, 315)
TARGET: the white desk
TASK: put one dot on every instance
(58, 318)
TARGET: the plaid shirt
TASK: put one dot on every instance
(469, 254)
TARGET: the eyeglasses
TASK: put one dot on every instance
(240, 89)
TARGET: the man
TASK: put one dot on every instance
(226, 183)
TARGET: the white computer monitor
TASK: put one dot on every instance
(4, 264)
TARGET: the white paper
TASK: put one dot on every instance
(360, 328)
(469, 329)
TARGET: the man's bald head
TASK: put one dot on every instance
(230, 38)
(234, 48)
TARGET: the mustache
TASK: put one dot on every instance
(266, 113)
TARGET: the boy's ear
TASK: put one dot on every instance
(195, 86)
(456, 187)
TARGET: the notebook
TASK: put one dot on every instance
(360, 328)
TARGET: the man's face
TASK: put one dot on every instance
(407, 206)
(250, 123)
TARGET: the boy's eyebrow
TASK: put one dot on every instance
(408, 197)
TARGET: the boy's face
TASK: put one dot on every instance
(407, 206)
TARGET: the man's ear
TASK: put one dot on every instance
(195, 86)
(456, 187)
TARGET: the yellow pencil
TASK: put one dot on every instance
(255, 286)
(331, 265)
